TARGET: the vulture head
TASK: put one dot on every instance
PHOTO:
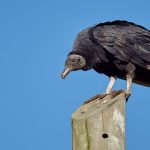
(74, 62)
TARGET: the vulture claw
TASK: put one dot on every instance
(127, 95)
(98, 96)
(115, 93)
(101, 96)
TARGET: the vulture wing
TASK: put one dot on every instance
(127, 43)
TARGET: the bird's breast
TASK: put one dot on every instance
(111, 69)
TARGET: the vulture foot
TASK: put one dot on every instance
(98, 96)
(101, 96)
(115, 93)
(127, 95)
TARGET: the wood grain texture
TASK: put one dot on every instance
(100, 125)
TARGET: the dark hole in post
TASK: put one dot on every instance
(105, 135)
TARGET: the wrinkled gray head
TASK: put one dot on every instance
(73, 62)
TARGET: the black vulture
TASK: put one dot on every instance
(118, 49)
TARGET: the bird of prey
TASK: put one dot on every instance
(118, 49)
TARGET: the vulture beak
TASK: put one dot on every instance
(66, 72)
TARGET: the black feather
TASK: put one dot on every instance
(109, 47)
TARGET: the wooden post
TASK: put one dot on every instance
(100, 124)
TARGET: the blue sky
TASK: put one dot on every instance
(35, 103)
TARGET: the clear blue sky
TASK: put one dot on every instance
(35, 104)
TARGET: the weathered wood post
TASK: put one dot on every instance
(100, 125)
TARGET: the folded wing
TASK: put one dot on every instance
(129, 43)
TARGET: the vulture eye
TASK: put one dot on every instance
(75, 60)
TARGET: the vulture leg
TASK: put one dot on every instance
(110, 84)
(130, 75)
(129, 82)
